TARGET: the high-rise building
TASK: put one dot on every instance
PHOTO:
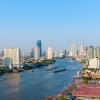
(39, 46)
(73, 51)
(37, 53)
(61, 54)
(22, 57)
(97, 52)
(56, 54)
(12, 57)
(49, 53)
(2, 54)
(65, 53)
(32, 53)
(83, 50)
(90, 52)
(1, 58)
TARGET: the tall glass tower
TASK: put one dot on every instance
(39, 46)
(90, 52)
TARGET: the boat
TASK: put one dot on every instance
(1, 79)
(51, 69)
(60, 70)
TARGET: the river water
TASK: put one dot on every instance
(40, 83)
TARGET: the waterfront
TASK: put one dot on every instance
(40, 83)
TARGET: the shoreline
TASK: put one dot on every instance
(65, 89)
(67, 92)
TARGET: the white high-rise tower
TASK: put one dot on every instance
(49, 53)
(12, 57)
(73, 50)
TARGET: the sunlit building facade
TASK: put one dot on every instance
(90, 52)
(37, 53)
(49, 53)
(12, 57)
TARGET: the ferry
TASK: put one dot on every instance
(60, 70)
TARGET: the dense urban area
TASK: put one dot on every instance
(86, 83)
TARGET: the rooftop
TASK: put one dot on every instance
(89, 90)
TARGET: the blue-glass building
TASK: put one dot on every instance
(39, 46)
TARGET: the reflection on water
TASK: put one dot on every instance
(39, 83)
(11, 81)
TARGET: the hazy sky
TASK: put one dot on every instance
(58, 23)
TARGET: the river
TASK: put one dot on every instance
(40, 83)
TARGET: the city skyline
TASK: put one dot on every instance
(49, 49)
(56, 23)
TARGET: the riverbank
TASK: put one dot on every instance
(41, 82)
(26, 66)
(4, 70)
(66, 94)
(86, 86)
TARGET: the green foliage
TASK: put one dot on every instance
(27, 67)
(92, 69)
(85, 80)
(43, 63)
(85, 68)
(4, 70)
(46, 62)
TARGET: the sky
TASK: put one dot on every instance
(57, 23)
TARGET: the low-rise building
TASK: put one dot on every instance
(87, 92)
(94, 63)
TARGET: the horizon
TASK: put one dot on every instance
(56, 23)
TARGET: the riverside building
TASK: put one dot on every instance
(39, 46)
(12, 57)
(37, 53)
(50, 54)
(90, 52)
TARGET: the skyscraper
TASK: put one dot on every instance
(37, 53)
(56, 54)
(82, 49)
(73, 50)
(49, 53)
(32, 53)
(39, 46)
(97, 52)
(12, 57)
(90, 52)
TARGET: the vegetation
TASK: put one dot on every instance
(92, 69)
(85, 68)
(89, 69)
(86, 80)
(47, 62)
(27, 67)
(85, 62)
(4, 70)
